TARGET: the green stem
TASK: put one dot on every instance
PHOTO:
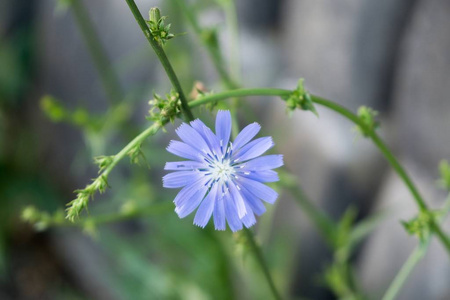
(381, 146)
(108, 77)
(209, 43)
(239, 93)
(259, 257)
(152, 130)
(415, 257)
(151, 210)
(405, 271)
(393, 162)
(352, 117)
(162, 58)
(325, 225)
(233, 26)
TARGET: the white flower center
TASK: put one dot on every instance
(222, 170)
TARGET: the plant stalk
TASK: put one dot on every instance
(260, 259)
(162, 58)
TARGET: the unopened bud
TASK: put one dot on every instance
(154, 15)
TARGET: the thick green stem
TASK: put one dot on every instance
(108, 77)
(260, 259)
(162, 58)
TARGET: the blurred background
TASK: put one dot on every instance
(62, 103)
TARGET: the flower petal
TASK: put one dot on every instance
(187, 165)
(198, 125)
(191, 137)
(266, 162)
(208, 135)
(181, 178)
(238, 200)
(254, 149)
(231, 214)
(256, 205)
(249, 219)
(189, 206)
(219, 214)
(183, 150)
(223, 128)
(206, 208)
(246, 135)
(259, 190)
(261, 176)
(188, 191)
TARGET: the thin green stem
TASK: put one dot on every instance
(415, 257)
(352, 117)
(401, 172)
(321, 220)
(152, 130)
(162, 58)
(209, 42)
(260, 259)
(381, 146)
(108, 77)
(80, 202)
(151, 210)
(238, 93)
(233, 26)
(405, 271)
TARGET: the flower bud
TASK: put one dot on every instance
(154, 15)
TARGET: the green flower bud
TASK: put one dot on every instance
(154, 15)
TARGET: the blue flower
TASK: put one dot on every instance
(222, 178)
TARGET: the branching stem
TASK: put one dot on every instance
(352, 117)
(162, 58)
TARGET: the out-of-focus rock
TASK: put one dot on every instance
(422, 97)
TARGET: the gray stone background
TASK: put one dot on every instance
(392, 55)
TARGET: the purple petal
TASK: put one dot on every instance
(266, 162)
(246, 135)
(183, 150)
(192, 203)
(181, 178)
(188, 165)
(231, 214)
(249, 219)
(261, 176)
(198, 125)
(219, 214)
(254, 149)
(223, 128)
(208, 135)
(256, 205)
(205, 210)
(188, 191)
(259, 190)
(238, 200)
(191, 137)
